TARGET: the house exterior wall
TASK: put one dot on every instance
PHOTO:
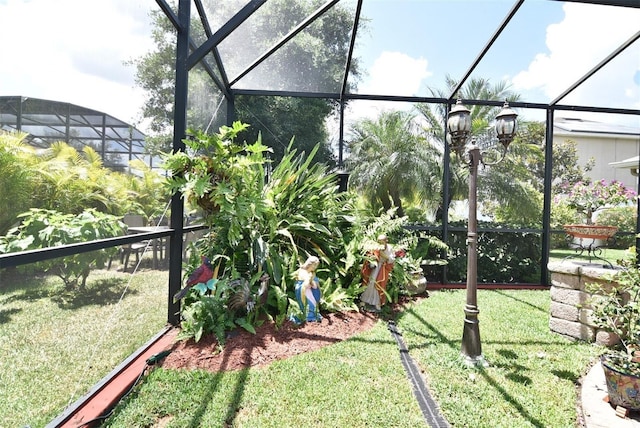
(604, 148)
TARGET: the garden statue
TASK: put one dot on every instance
(375, 275)
(244, 298)
(308, 292)
(202, 274)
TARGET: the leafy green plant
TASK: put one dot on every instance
(17, 177)
(261, 225)
(616, 309)
(207, 313)
(509, 257)
(47, 228)
(624, 218)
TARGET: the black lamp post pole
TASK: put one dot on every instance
(471, 346)
(459, 129)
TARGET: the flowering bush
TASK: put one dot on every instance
(587, 197)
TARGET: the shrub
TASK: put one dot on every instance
(47, 228)
(512, 257)
(16, 178)
(616, 309)
(625, 219)
(259, 225)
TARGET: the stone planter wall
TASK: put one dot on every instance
(570, 309)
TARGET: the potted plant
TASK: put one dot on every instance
(616, 309)
(587, 198)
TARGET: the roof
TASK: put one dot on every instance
(631, 163)
(575, 125)
(488, 49)
(47, 122)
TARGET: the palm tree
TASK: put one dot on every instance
(16, 177)
(390, 163)
(434, 117)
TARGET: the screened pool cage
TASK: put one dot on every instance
(216, 68)
(47, 122)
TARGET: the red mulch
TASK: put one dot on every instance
(243, 349)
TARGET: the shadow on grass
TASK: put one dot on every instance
(234, 403)
(204, 399)
(511, 400)
(567, 375)
(437, 337)
(524, 302)
(98, 292)
(5, 315)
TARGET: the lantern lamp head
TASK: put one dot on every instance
(458, 127)
(506, 125)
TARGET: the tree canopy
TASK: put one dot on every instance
(323, 45)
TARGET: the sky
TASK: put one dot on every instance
(76, 50)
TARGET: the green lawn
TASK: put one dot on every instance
(533, 373)
(56, 345)
(610, 254)
(531, 381)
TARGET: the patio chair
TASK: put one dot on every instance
(136, 248)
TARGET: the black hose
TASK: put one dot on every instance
(427, 404)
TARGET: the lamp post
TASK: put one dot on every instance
(459, 130)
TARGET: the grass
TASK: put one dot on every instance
(531, 381)
(532, 375)
(359, 382)
(56, 345)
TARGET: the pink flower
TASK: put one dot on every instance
(587, 197)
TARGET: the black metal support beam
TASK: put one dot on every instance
(352, 45)
(224, 84)
(546, 211)
(171, 16)
(638, 217)
(595, 69)
(223, 32)
(179, 133)
(486, 48)
(304, 24)
(621, 3)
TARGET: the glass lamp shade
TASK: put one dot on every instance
(506, 125)
(459, 126)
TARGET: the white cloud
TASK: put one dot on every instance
(74, 51)
(586, 36)
(392, 73)
(395, 73)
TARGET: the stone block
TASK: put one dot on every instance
(605, 338)
(565, 281)
(564, 267)
(565, 312)
(586, 317)
(571, 329)
(592, 273)
(568, 296)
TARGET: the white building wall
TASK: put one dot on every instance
(604, 148)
